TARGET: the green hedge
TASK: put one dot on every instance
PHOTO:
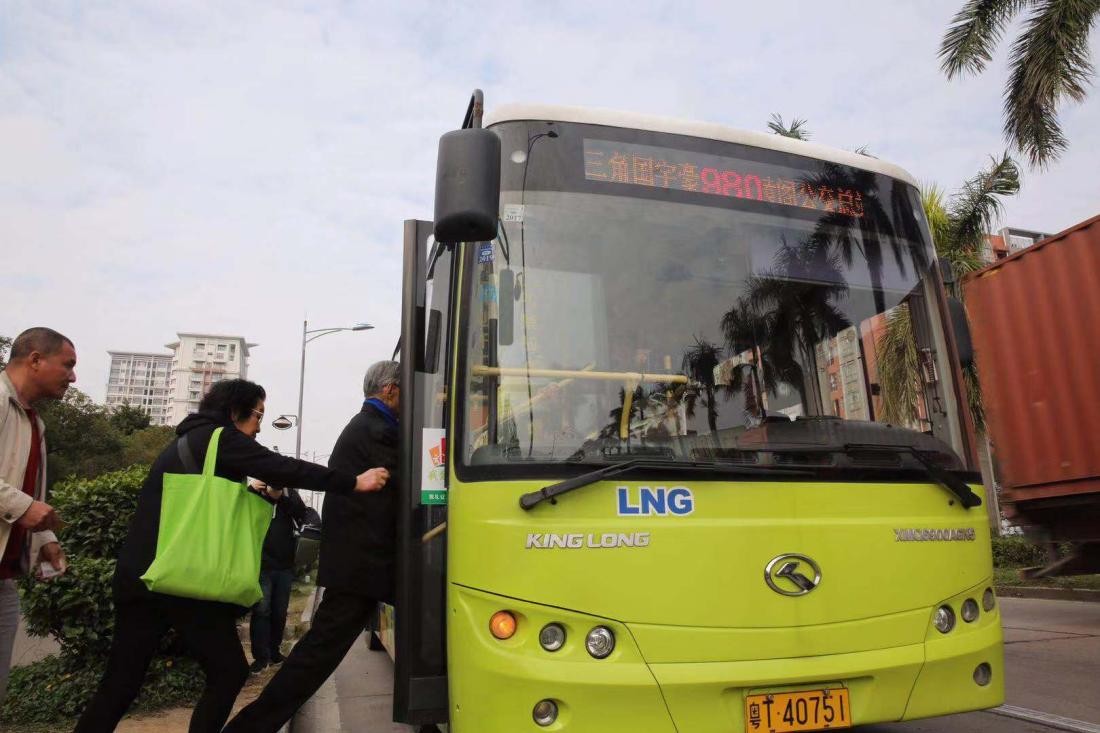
(77, 610)
(1017, 552)
(57, 688)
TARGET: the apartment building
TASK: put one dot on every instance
(1007, 241)
(197, 362)
(140, 380)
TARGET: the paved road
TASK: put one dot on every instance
(1052, 655)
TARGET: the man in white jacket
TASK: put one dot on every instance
(40, 367)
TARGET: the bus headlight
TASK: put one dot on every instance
(545, 712)
(988, 600)
(970, 610)
(600, 642)
(944, 619)
(983, 674)
(552, 637)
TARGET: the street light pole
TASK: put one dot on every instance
(301, 394)
(306, 338)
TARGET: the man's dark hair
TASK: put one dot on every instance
(45, 341)
(232, 399)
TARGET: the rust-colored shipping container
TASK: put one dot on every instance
(1035, 322)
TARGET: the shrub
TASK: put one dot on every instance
(1017, 552)
(57, 688)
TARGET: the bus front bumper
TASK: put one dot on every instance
(496, 684)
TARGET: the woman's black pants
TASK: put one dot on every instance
(209, 632)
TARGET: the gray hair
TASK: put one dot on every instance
(379, 375)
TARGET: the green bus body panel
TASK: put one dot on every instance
(706, 569)
(697, 627)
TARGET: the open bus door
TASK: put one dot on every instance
(467, 201)
(420, 674)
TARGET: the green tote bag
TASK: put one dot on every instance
(211, 537)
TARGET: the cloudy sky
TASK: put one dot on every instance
(236, 167)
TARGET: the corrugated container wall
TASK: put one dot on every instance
(1035, 321)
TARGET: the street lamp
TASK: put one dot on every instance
(307, 336)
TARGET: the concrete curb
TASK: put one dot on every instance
(1050, 594)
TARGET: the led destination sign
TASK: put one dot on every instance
(684, 170)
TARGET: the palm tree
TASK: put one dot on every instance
(797, 128)
(1049, 63)
(958, 232)
(699, 362)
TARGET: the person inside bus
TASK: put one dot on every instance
(356, 566)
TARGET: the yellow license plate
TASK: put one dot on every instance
(781, 712)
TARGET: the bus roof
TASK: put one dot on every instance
(707, 130)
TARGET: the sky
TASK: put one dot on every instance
(238, 168)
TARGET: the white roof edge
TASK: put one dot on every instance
(705, 130)
(160, 354)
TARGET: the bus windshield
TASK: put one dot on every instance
(685, 299)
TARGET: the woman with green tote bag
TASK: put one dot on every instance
(191, 559)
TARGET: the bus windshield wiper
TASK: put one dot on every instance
(534, 498)
(959, 488)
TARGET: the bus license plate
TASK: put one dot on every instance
(781, 712)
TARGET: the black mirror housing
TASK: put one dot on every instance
(467, 186)
(961, 326)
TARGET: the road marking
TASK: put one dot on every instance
(1048, 719)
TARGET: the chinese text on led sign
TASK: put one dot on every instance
(682, 170)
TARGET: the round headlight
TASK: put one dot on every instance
(970, 610)
(552, 637)
(983, 673)
(944, 619)
(545, 712)
(600, 642)
(988, 600)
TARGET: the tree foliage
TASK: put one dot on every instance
(128, 419)
(1049, 62)
(796, 130)
(85, 439)
(5, 347)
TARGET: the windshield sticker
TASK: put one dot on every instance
(485, 253)
(685, 170)
(513, 212)
(579, 540)
(488, 293)
(935, 535)
(655, 501)
(433, 467)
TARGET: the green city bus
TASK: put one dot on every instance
(685, 439)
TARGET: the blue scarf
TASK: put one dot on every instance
(383, 408)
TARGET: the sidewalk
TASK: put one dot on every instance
(357, 697)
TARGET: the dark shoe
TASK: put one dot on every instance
(257, 667)
(277, 658)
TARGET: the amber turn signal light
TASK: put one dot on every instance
(502, 625)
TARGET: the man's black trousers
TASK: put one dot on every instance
(339, 621)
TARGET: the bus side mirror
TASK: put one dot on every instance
(961, 326)
(467, 186)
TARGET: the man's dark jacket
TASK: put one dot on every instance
(359, 532)
(238, 456)
(280, 543)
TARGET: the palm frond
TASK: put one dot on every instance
(975, 208)
(1050, 62)
(974, 32)
(797, 128)
(899, 368)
